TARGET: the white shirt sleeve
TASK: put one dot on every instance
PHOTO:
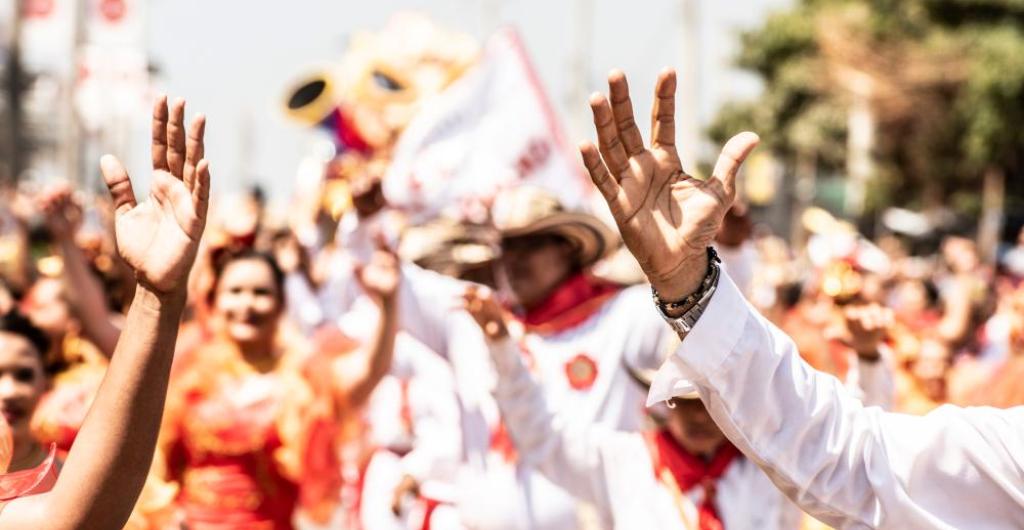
(849, 465)
(426, 300)
(570, 458)
(872, 382)
(435, 420)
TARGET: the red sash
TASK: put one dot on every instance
(690, 471)
(571, 304)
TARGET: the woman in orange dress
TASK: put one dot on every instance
(110, 459)
(256, 417)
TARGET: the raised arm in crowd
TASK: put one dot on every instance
(849, 465)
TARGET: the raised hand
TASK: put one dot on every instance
(159, 237)
(866, 328)
(63, 215)
(380, 277)
(667, 218)
(480, 303)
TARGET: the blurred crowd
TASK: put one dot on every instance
(325, 372)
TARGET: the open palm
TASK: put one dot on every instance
(667, 218)
(159, 236)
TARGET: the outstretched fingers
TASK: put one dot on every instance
(194, 150)
(599, 174)
(733, 154)
(176, 138)
(201, 190)
(159, 147)
(622, 110)
(663, 112)
(611, 147)
(120, 186)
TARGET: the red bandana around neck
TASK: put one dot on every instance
(571, 304)
(690, 471)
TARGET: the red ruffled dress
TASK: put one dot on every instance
(249, 447)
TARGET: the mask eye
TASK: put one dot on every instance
(386, 82)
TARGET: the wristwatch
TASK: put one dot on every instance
(693, 305)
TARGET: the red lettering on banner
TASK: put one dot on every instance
(37, 8)
(536, 154)
(112, 10)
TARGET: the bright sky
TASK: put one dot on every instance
(234, 58)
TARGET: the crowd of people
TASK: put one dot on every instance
(358, 372)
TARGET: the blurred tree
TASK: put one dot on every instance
(939, 83)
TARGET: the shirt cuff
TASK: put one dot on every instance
(706, 347)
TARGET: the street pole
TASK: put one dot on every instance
(13, 84)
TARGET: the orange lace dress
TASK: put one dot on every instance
(249, 446)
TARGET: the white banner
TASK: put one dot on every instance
(116, 23)
(490, 130)
(48, 36)
(113, 70)
(113, 83)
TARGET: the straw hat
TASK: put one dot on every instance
(527, 211)
(448, 245)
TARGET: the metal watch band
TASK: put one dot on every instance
(684, 323)
(691, 300)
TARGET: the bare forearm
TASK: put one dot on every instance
(381, 352)
(86, 297)
(112, 454)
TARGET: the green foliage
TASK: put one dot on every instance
(953, 75)
(992, 103)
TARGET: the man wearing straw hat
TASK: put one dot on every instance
(577, 330)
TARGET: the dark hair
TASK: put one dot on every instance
(222, 260)
(16, 324)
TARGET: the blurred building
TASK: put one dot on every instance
(86, 73)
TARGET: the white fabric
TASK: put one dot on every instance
(849, 465)
(623, 330)
(872, 382)
(302, 302)
(491, 494)
(612, 469)
(489, 131)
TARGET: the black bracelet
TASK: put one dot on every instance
(710, 278)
